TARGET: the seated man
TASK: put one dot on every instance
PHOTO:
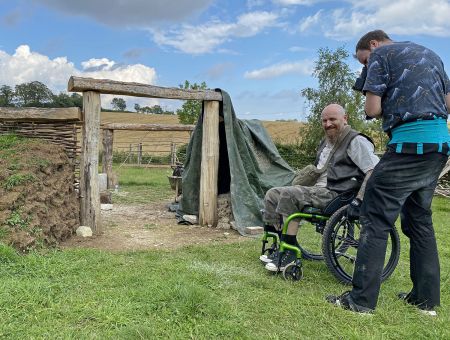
(349, 167)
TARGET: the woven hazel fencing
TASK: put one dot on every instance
(63, 134)
(42, 123)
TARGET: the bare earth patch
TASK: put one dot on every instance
(148, 226)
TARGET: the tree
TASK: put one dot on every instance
(118, 104)
(6, 96)
(33, 94)
(137, 107)
(190, 110)
(66, 100)
(335, 80)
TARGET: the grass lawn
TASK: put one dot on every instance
(201, 292)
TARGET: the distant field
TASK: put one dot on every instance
(159, 142)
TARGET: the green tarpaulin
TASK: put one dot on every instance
(249, 165)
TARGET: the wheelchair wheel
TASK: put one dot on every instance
(310, 241)
(293, 272)
(340, 245)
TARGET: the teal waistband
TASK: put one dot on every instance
(421, 131)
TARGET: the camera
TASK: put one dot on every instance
(360, 81)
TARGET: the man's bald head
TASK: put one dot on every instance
(334, 119)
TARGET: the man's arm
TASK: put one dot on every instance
(373, 105)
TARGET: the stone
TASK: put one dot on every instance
(254, 230)
(106, 206)
(191, 218)
(84, 231)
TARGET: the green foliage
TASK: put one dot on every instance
(15, 220)
(6, 96)
(33, 94)
(294, 155)
(335, 80)
(191, 109)
(155, 109)
(9, 141)
(118, 104)
(66, 100)
(182, 153)
(18, 179)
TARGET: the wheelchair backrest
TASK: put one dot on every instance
(338, 202)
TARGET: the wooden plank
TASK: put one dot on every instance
(107, 161)
(89, 192)
(40, 114)
(209, 165)
(106, 86)
(148, 127)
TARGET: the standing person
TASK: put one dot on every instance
(348, 169)
(408, 88)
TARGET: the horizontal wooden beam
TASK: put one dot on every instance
(106, 86)
(147, 127)
(40, 114)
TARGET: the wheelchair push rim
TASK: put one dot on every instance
(340, 245)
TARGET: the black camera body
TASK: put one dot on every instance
(360, 81)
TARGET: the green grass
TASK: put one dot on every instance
(200, 292)
(142, 185)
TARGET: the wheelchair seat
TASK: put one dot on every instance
(339, 201)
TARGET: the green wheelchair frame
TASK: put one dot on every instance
(339, 241)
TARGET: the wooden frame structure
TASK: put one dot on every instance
(89, 191)
(108, 140)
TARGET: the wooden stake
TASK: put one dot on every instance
(210, 165)
(108, 140)
(89, 191)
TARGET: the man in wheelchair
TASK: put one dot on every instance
(345, 160)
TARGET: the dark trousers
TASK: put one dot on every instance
(400, 184)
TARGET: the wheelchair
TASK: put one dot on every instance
(327, 234)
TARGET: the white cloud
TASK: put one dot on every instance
(25, 66)
(403, 17)
(310, 21)
(204, 38)
(304, 67)
(298, 49)
(136, 13)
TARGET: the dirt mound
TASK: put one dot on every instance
(38, 203)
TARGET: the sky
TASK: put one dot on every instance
(261, 52)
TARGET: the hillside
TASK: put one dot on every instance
(285, 132)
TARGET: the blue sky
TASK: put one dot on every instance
(261, 52)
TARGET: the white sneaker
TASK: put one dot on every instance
(288, 258)
(269, 258)
(428, 312)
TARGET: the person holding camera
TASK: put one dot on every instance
(408, 88)
(345, 160)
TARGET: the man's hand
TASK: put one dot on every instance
(353, 209)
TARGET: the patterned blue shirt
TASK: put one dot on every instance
(411, 81)
(412, 84)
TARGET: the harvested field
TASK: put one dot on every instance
(158, 142)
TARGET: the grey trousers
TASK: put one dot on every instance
(284, 201)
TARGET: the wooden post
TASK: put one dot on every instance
(89, 194)
(210, 165)
(139, 155)
(108, 140)
(173, 154)
(130, 155)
